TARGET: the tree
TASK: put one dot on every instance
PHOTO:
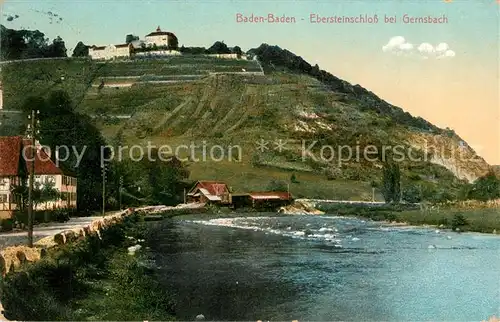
(391, 187)
(458, 221)
(26, 44)
(219, 47)
(57, 48)
(81, 50)
(44, 193)
(172, 42)
(485, 188)
(74, 131)
(237, 50)
(161, 181)
(164, 178)
(130, 38)
(411, 194)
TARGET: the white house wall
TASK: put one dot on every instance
(5, 190)
(161, 40)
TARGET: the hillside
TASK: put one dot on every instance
(184, 100)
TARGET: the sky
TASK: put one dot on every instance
(447, 73)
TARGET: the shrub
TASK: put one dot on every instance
(389, 216)
(257, 159)
(458, 221)
(411, 194)
(6, 224)
(485, 188)
(443, 221)
(277, 185)
(60, 215)
(332, 173)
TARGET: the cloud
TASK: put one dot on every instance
(447, 54)
(442, 47)
(426, 48)
(399, 45)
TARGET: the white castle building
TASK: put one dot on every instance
(111, 51)
(158, 38)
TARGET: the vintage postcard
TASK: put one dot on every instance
(270, 160)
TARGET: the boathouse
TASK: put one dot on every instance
(209, 192)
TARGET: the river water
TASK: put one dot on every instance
(325, 268)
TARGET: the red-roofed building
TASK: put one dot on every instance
(209, 192)
(270, 195)
(15, 166)
(267, 199)
(12, 173)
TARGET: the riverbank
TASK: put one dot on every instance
(482, 220)
(95, 278)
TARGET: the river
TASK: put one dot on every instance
(325, 268)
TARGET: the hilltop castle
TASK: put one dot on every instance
(159, 39)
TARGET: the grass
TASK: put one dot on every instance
(89, 280)
(482, 220)
(478, 220)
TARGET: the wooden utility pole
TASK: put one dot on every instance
(32, 131)
(103, 189)
(121, 187)
(184, 195)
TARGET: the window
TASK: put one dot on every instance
(3, 198)
(50, 179)
(68, 181)
(3, 183)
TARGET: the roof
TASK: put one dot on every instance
(43, 163)
(209, 196)
(123, 45)
(160, 33)
(213, 187)
(137, 43)
(269, 195)
(10, 153)
(98, 47)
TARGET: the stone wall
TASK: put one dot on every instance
(11, 258)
